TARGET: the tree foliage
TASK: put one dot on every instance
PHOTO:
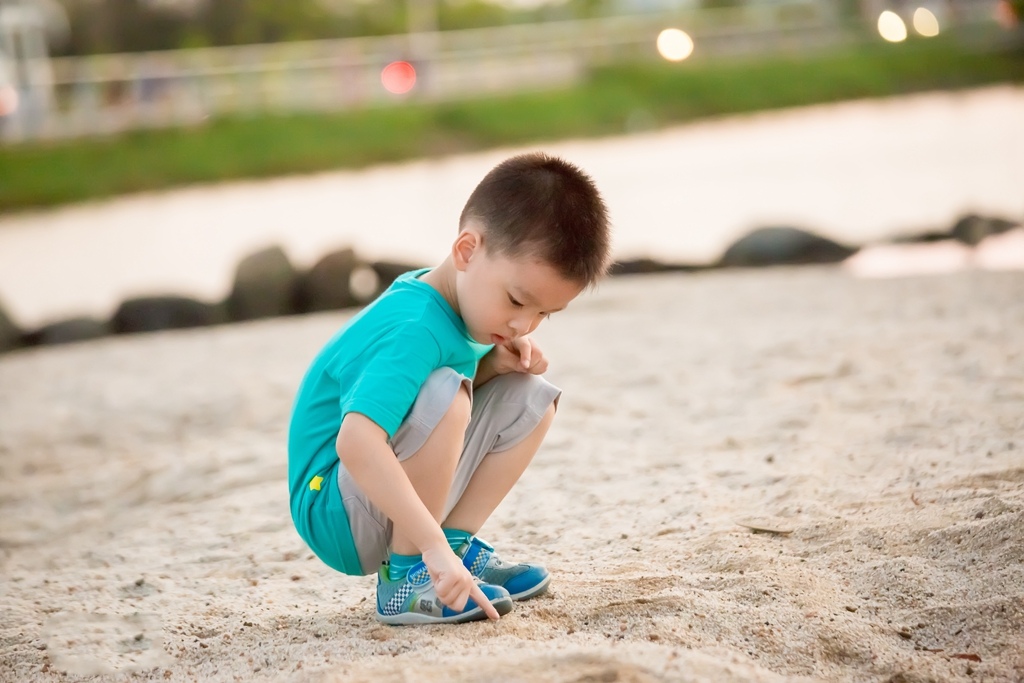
(137, 25)
(101, 26)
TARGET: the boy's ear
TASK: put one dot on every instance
(466, 244)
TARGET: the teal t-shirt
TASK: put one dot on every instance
(374, 365)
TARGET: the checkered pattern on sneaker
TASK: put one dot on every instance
(417, 578)
(480, 561)
(413, 600)
(522, 580)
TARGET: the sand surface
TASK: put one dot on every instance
(854, 171)
(877, 423)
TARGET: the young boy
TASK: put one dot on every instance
(421, 413)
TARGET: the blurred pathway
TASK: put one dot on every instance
(857, 171)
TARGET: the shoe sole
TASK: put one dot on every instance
(502, 605)
(540, 588)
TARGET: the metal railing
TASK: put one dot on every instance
(109, 93)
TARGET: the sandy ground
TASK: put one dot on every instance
(877, 423)
(854, 171)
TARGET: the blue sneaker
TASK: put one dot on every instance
(412, 600)
(522, 581)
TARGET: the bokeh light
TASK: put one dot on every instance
(363, 283)
(1005, 15)
(8, 100)
(925, 22)
(891, 27)
(674, 45)
(398, 78)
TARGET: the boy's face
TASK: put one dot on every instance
(501, 298)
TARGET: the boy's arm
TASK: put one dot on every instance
(485, 370)
(520, 355)
(363, 448)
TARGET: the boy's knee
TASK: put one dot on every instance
(443, 399)
(546, 419)
(438, 387)
(523, 389)
(549, 414)
(461, 407)
(511, 407)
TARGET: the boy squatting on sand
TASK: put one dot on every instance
(421, 413)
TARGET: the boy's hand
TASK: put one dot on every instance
(519, 355)
(453, 583)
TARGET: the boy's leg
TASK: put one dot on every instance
(506, 412)
(432, 467)
(428, 446)
(494, 478)
(510, 417)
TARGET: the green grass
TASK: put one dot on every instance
(606, 104)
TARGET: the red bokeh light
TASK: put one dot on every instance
(398, 77)
(8, 100)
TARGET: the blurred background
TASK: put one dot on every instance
(74, 68)
(369, 121)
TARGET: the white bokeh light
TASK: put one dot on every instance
(891, 27)
(925, 22)
(674, 45)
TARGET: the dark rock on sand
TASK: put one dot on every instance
(264, 285)
(68, 331)
(388, 271)
(776, 246)
(149, 314)
(327, 285)
(10, 334)
(368, 281)
(972, 229)
(643, 266)
(923, 237)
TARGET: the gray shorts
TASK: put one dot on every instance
(505, 411)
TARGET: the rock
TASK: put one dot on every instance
(327, 285)
(388, 272)
(647, 265)
(783, 246)
(264, 286)
(68, 331)
(149, 314)
(923, 237)
(10, 334)
(368, 281)
(972, 229)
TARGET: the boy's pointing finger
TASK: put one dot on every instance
(481, 599)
